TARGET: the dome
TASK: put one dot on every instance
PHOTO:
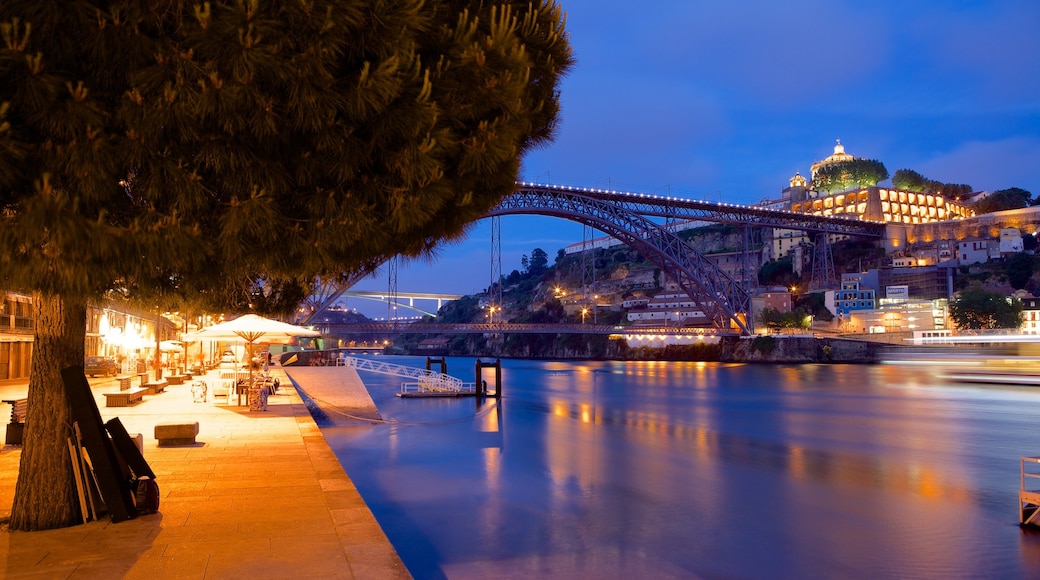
(839, 156)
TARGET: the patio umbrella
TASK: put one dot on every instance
(252, 329)
(171, 346)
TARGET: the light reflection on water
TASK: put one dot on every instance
(614, 470)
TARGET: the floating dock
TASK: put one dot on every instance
(1029, 499)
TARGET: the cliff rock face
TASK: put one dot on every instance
(799, 349)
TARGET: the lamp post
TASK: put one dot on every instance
(584, 312)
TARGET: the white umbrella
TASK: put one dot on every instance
(252, 329)
(171, 346)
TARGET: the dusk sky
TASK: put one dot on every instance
(727, 100)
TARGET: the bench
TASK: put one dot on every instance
(176, 433)
(124, 398)
(179, 379)
(16, 428)
(154, 388)
(124, 382)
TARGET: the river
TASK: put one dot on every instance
(700, 470)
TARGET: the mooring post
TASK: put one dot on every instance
(481, 384)
(498, 378)
(442, 361)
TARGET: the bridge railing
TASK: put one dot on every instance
(431, 380)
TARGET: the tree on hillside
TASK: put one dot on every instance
(977, 308)
(1019, 270)
(539, 262)
(954, 191)
(171, 149)
(847, 174)
(1003, 199)
(911, 180)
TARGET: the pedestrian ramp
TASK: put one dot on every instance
(423, 382)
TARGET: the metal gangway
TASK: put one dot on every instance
(425, 381)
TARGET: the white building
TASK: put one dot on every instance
(1010, 241)
(977, 251)
(668, 308)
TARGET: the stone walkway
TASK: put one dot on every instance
(260, 495)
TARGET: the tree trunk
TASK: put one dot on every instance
(45, 496)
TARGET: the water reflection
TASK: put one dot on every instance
(701, 470)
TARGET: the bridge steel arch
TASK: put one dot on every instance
(688, 209)
(719, 296)
(529, 198)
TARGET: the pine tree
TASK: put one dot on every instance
(163, 150)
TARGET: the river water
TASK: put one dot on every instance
(700, 470)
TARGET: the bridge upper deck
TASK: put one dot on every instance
(526, 195)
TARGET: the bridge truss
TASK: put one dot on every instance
(721, 298)
(626, 217)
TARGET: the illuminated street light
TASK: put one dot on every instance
(491, 313)
(584, 312)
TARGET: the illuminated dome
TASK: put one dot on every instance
(798, 180)
(839, 156)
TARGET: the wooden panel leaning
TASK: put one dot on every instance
(16, 428)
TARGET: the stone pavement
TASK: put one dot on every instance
(260, 495)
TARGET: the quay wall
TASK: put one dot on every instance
(800, 349)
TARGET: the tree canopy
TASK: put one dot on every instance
(911, 180)
(977, 308)
(248, 141)
(169, 150)
(847, 174)
(1003, 199)
(775, 320)
(1019, 268)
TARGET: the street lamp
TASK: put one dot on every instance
(491, 313)
(584, 311)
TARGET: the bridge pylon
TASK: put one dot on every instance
(823, 276)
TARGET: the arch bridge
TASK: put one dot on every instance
(627, 218)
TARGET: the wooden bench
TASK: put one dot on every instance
(154, 388)
(124, 382)
(178, 379)
(16, 428)
(176, 433)
(124, 398)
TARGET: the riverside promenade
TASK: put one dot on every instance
(260, 495)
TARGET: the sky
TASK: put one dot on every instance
(725, 101)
